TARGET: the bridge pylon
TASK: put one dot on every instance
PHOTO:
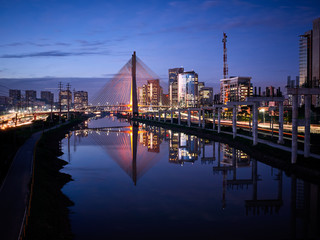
(134, 98)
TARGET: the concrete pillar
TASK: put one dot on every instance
(189, 118)
(199, 117)
(255, 124)
(159, 117)
(234, 121)
(294, 149)
(219, 119)
(155, 116)
(165, 116)
(203, 119)
(214, 119)
(280, 140)
(179, 117)
(307, 116)
(171, 116)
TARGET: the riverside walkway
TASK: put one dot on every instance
(15, 189)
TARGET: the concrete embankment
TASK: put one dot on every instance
(305, 168)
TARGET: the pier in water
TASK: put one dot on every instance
(150, 183)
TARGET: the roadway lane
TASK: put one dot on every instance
(14, 191)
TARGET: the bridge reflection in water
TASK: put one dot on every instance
(136, 149)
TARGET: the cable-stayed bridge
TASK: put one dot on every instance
(121, 91)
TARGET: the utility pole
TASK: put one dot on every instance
(60, 89)
(68, 96)
(225, 65)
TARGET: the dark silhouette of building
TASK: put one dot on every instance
(47, 97)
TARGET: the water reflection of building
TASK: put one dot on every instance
(183, 148)
(305, 209)
(232, 159)
(266, 206)
(231, 154)
(151, 140)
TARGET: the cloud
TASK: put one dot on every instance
(86, 43)
(209, 4)
(52, 54)
(16, 44)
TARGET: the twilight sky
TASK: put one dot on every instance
(94, 39)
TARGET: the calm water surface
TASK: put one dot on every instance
(150, 183)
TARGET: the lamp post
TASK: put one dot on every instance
(263, 113)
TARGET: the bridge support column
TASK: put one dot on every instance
(255, 124)
(165, 116)
(159, 117)
(203, 119)
(179, 117)
(294, 150)
(307, 115)
(171, 116)
(189, 118)
(219, 120)
(234, 121)
(213, 118)
(155, 116)
(280, 140)
(199, 117)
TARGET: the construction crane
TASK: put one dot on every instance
(225, 65)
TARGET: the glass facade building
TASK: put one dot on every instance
(188, 89)
(173, 85)
(305, 59)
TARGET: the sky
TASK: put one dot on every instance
(86, 42)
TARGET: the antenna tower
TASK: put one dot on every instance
(225, 65)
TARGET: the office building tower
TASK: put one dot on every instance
(47, 97)
(31, 95)
(173, 85)
(235, 89)
(154, 92)
(305, 59)
(65, 98)
(206, 96)
(316, 52)
(309, 60)
(80, 99)
(15, 95)
(188, 89)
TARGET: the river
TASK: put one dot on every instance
(146, 182)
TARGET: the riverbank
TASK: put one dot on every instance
(305, 168)
(49, 213)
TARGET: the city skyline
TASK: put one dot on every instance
(81, 40)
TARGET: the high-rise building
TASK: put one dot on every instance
(154, 92)
(316, 51)
(47, 97)
(31, 95)
(206, 96)
(309, 60)
(142, 95)
(235, 89)
(305, 59)
(188, 89)
(80, 99)
(15, 95)
(173, 85)
(65, 97)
